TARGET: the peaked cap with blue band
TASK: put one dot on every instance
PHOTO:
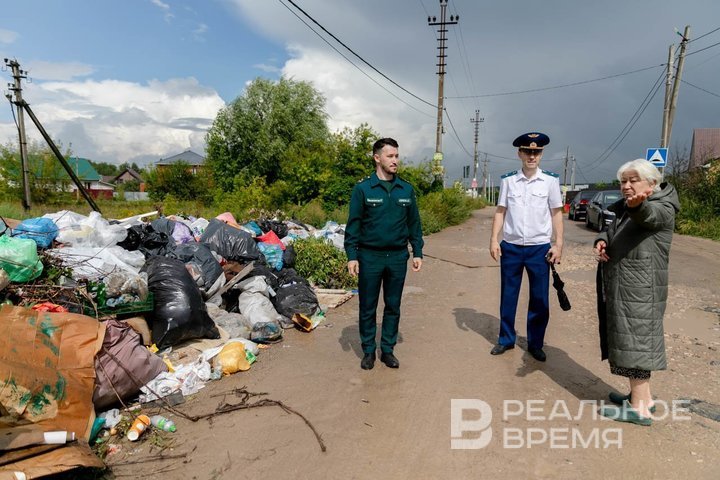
(535, 140)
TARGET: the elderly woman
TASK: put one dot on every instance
(633, 255)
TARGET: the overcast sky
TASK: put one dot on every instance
(143, 79)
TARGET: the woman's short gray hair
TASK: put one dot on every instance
(645, 170)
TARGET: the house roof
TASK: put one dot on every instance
(82, 168)
(132, 173)
(705, 146)
(188, 156)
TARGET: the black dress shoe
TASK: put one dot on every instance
(368, 361)
(500, 349)
(389, 360)
(538, 354)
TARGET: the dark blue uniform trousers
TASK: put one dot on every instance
(514, 259)
(386, 268)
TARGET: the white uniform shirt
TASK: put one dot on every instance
(528, 202)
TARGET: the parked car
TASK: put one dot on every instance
(579, 204)
(569, 195)
(597, 214)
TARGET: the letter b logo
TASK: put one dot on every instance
(458, 425)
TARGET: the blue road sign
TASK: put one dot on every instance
(657, 156)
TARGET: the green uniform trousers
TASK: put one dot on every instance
(386, 268)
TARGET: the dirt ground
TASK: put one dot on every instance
(387, 423)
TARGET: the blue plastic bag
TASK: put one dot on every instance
(41, 230)
(252, 225)
(273, 254)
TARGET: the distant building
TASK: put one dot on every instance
(89, 177)
(705, 147)
(195, 161)
(129, 175)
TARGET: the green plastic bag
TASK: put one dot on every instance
(19, 258)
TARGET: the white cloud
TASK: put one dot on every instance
(267, 68)
(8, 36)
(116, 121)
(165, 7)
(41, 70)
(199, 31)
(352, 99)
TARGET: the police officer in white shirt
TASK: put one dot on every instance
(529, 209)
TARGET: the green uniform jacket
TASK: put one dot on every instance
(383, 220)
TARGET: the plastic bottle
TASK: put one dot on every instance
(163, 423)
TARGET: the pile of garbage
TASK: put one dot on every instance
(122, 294)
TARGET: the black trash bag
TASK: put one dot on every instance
(296, 298)
(289, 256)
(270, 274)
(201, 255)
(179, 311)
(148, 241)
(280, 229)
(288, 276)
(229, 242)
(164, 225)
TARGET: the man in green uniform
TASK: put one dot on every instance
(383, 218)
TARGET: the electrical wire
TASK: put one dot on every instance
(455, 132)
(699, 88)
(629, 125)
(583, 82)
(353, 64)
(291, 2)
(703, 35)
(702, 49)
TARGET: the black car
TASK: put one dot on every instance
(579, 204)
(597, 215)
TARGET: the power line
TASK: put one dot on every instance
(457, 137)
(352, 63)
(703, 35)
(699, 88)
(559, 86)
(291, 2)
(629, 125)
(702, 49)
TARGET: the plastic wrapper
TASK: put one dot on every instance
(264, 319)
(179, 311)
(81, 231)
(94, 262)
(232, 358)
(41, 230)
(19, 258)
(233, 323)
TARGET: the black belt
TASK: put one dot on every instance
(382, 249)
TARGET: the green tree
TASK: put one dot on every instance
(352, 161)
(177, 179)
(48, 180)
(104, 168)
(254, 132)
(419, 176)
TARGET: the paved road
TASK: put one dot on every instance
(396, 424)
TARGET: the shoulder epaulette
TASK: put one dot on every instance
(363, 179)
(509, 174)
(552, 174)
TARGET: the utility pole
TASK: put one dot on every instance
(442, 30)
(16, 88)
(485, 176)
(22, 105)
(477, 121)
(567, 156)
(572, 175)
(668, 94)
(676, 84)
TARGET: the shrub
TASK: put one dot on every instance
(322, 264)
